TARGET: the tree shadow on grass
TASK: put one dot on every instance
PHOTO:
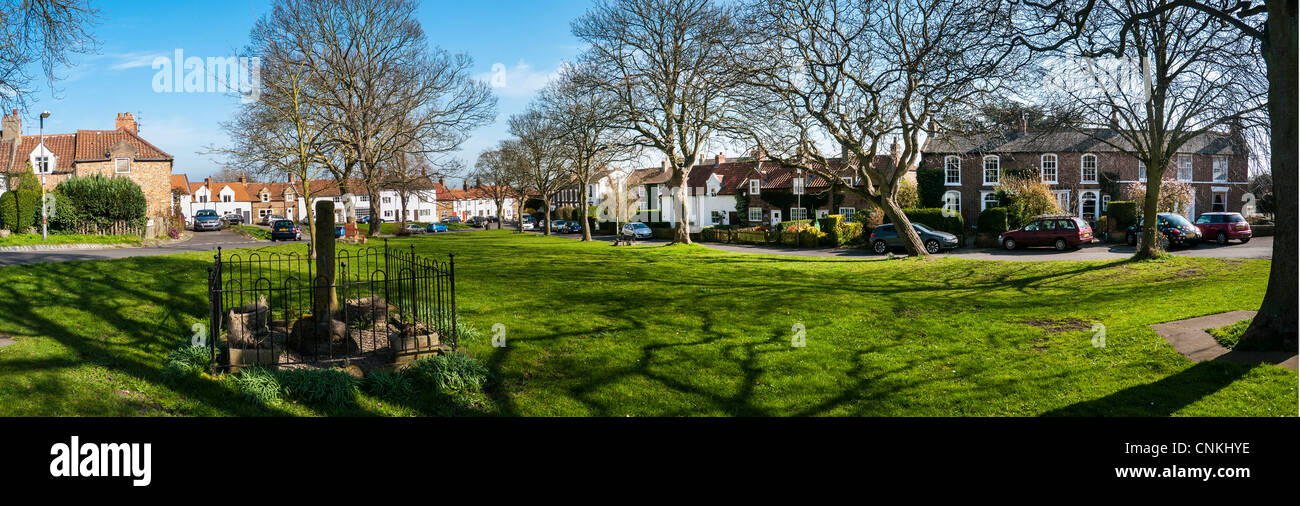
(1163, 397)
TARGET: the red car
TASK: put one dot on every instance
(1061, 232)
(1224, 227)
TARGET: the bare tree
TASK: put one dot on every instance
(864, 74)
(1273, 25)
(590, 140)
(410, 176)
(380, 89)
(669, 67)
(540, 156)
(500, 169)
(1147, 87)
(44, 33)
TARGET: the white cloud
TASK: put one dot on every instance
(127, 61)
(520, 81)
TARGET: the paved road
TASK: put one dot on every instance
(1257, 248)
(202, 241)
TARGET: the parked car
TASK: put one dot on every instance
(452, 219)
(1060, 232)
(479, 221)
(558, 225)
(339, 231)
(206, 219)
(414, 229)
(364, 219)
(1174, 227)
(527, 225)
(572, 227)
(233, 219)
(885, 238)
(1224, 227)
(637, 230)
(272, 218)
(436, 227)
(285, 230)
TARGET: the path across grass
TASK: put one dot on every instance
(593, 329)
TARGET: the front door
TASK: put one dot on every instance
(776, 217)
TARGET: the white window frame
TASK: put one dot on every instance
(984, 199)
(1142, 171)
(1105, 203)
(1064, 203)
(798, 213)
(1217, 175)
(1191, 166)
(1083, 169)
(754, 185)
(117, 167)
(1055, 168)
(755, 215)
(266, 197)
(848, 181)
(1096, 202)
(953, 163)
(850, 211)
(1215, 192)
(997, 170)
(796, 185)
(948, 200)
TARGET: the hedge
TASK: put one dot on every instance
(19, 210)
(992, 221)
(1124, 214)
(930, 187)
(105, 202)
(934, 218)
(838, 231)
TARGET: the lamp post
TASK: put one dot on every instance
(45, 162)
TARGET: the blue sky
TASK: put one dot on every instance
(530, 39)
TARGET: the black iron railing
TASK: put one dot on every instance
(388, 301)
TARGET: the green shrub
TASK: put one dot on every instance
(1124, 213)
(320, 386)
(185, 361)
(389, 386)
(1099, 227)
(101, 201)
(451, 372)
(20, 209)
(257, 384)
(66, 218)
(1229, 336)
(930, 187)
(907, 196)
(992, 221)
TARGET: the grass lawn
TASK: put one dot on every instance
(35, 239)
(1229, 335)
(253, 232)
(677, 331)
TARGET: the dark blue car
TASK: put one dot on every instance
(285, 230)
(436, 227)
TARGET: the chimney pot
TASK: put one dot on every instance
(126, 121)
(243, 179)
(722, 159)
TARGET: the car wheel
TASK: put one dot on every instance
(1222, 238)
(1061, 245)
(1131, 239)
(879, 247)
(1164, 242)
(1245, 240)
(1009, 243)
(931, 246)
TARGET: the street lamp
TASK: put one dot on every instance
(45, 160)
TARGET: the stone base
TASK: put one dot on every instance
(401, 360)
(252, 357)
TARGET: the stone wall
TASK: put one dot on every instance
(154, 179)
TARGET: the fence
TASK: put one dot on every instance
(273, 310)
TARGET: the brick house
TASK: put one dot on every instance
(1076, 165)
(272, 199)
(778, 193)
(114, 153)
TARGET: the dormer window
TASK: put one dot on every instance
(43, 162)
(753, 186)
(266, 197)
(122, 165)
(43, 165)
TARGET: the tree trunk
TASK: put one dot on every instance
(1149, 243)
(682, 234)
(902, 225)
(586, 220)
(376, 215)
(311, 218)
(546, 205)
(1275, 325)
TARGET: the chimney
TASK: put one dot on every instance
(895, 149)
(478, 182)
(424, 171)
(933, 127)
(126, 121)
(1114, 118)
(666, 166)
(1024, 124)
(291, 177)
(464, 184)
(11, 127)
(721, 159)
(207, 181)
(243, 179)
(442, 181)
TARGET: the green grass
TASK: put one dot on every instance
(1230, 335)
(35, 239)
(254, 232)
(592, 329)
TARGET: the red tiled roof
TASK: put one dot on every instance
(62, 146)
(95, 144)
(180, 182)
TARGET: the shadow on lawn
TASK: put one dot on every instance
(1163, 397)
(138, 309)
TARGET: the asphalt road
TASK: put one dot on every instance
(202, 241)
(1257, 248)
